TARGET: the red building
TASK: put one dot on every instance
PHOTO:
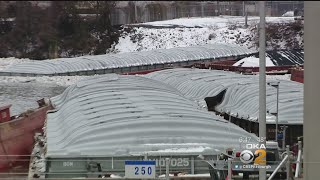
(5, 113)
(297, 75)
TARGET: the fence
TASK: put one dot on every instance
(159, 11)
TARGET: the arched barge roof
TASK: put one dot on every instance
(107, 61)
(118, 115)
(242, 93)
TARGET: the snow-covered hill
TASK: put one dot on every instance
(282, 33)
(218, 21)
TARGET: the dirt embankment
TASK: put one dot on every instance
(278, 36)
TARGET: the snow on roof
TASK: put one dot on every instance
(4, 107)
(242, 92)
(252, 62)
(286, 57)
(159, 56)
(6, 62)
(118, 115)
(274, 58)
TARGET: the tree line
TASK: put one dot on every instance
(55, 31)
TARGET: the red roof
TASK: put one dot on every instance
(5, 107)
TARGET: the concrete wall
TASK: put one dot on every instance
(311, 161)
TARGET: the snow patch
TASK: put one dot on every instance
(288, 14)
(220, 21)
(252, 62)
(184, 150)
(279, 77)
(145, 39)
(177, 144)
(7, 62)
(186, 175)
(37, 164)
(184, 32)
(58, 80)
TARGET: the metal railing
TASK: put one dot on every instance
(67, 168)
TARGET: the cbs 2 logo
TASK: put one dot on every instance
(247, 157)
(261, 153)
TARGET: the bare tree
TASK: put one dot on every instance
(104, 26)
(104, 10)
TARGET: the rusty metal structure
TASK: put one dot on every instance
(17, 137)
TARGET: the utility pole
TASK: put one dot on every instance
(276, 85)
(298, 167)
(262, 84)
(135, 12)
(246, 20)
(288, 167)
(243, 9)
(245, 15)
(229, 168)
(311, 157)
(277, 117)
(284, 137)
(202, 9)
(218, 9)
(167, 168)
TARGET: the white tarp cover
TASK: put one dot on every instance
(242, 95)
(107, 61)
(121, 115)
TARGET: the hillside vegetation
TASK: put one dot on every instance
(29, 31)
(279, 35)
